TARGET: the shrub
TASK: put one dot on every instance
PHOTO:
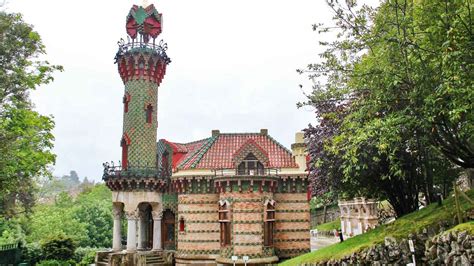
(32, 253)
(58, 248)
(85, 255)
(56, 263)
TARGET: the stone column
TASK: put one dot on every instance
(132, 231)
(117, 235)
(141, 230)
(157, 215)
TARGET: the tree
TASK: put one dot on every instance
(25, 135)
(384, 72)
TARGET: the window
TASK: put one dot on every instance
(181, 224)
(124, 145)
(224, 220)
(250, 166)
(126, 100)
(269, 223)
(149, 114)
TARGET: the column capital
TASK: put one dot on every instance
(117, 213)
(131, 215)
(157, 215)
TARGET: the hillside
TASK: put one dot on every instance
(413, 222)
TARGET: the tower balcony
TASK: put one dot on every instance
(138, 46)
(138, 59)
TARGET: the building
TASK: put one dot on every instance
(231, 194)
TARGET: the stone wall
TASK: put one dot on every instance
(452, 248)
(317, 215)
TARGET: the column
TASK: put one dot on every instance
(117, 234)
(132, 231)
(141, 230)
(157, 215)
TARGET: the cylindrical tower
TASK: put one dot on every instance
(142, 66)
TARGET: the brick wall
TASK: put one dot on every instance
(292, 236)
(201, 235)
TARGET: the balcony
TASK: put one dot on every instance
(266, 172)
(112, 171)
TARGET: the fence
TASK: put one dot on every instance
(10, 254)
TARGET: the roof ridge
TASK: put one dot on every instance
(194, 153)
(280, 145)
(205, 148)
(192, 142)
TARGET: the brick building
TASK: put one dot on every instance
(202, 202)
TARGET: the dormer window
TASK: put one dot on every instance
(250, 166)
(149, 114)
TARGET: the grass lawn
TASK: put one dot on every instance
(336, 224)
(400, 228)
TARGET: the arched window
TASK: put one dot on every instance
(269, 224)
(149, 114)
(250, 166)
(124, 145)
(224, 220)
(181, 224)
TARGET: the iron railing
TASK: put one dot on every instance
(131, 45)
(246, 172)
(137, 171)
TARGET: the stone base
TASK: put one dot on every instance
(227, 261)
(138, 258)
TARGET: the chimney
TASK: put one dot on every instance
(298, 149)
(264, 131)
(215, 132)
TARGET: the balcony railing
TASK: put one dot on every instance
(131, 45)
(117, 171)
(246, 172)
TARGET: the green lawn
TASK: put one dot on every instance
(336, 224)
(400, 228)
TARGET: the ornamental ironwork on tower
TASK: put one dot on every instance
(142, 65)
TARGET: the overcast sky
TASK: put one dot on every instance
(233, 68)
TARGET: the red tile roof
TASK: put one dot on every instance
(218, 151)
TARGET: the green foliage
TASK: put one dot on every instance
(32, 253)
(50, 220)
(25, 136)
(430, 216)
(56, 263)
(86, 219)
(334, 225)
(58, 247)
(94, 209)
(402, 76)
(85, 256)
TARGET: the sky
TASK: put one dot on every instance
(233, 68)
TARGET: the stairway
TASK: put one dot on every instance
(154, 259)
(104, 261)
